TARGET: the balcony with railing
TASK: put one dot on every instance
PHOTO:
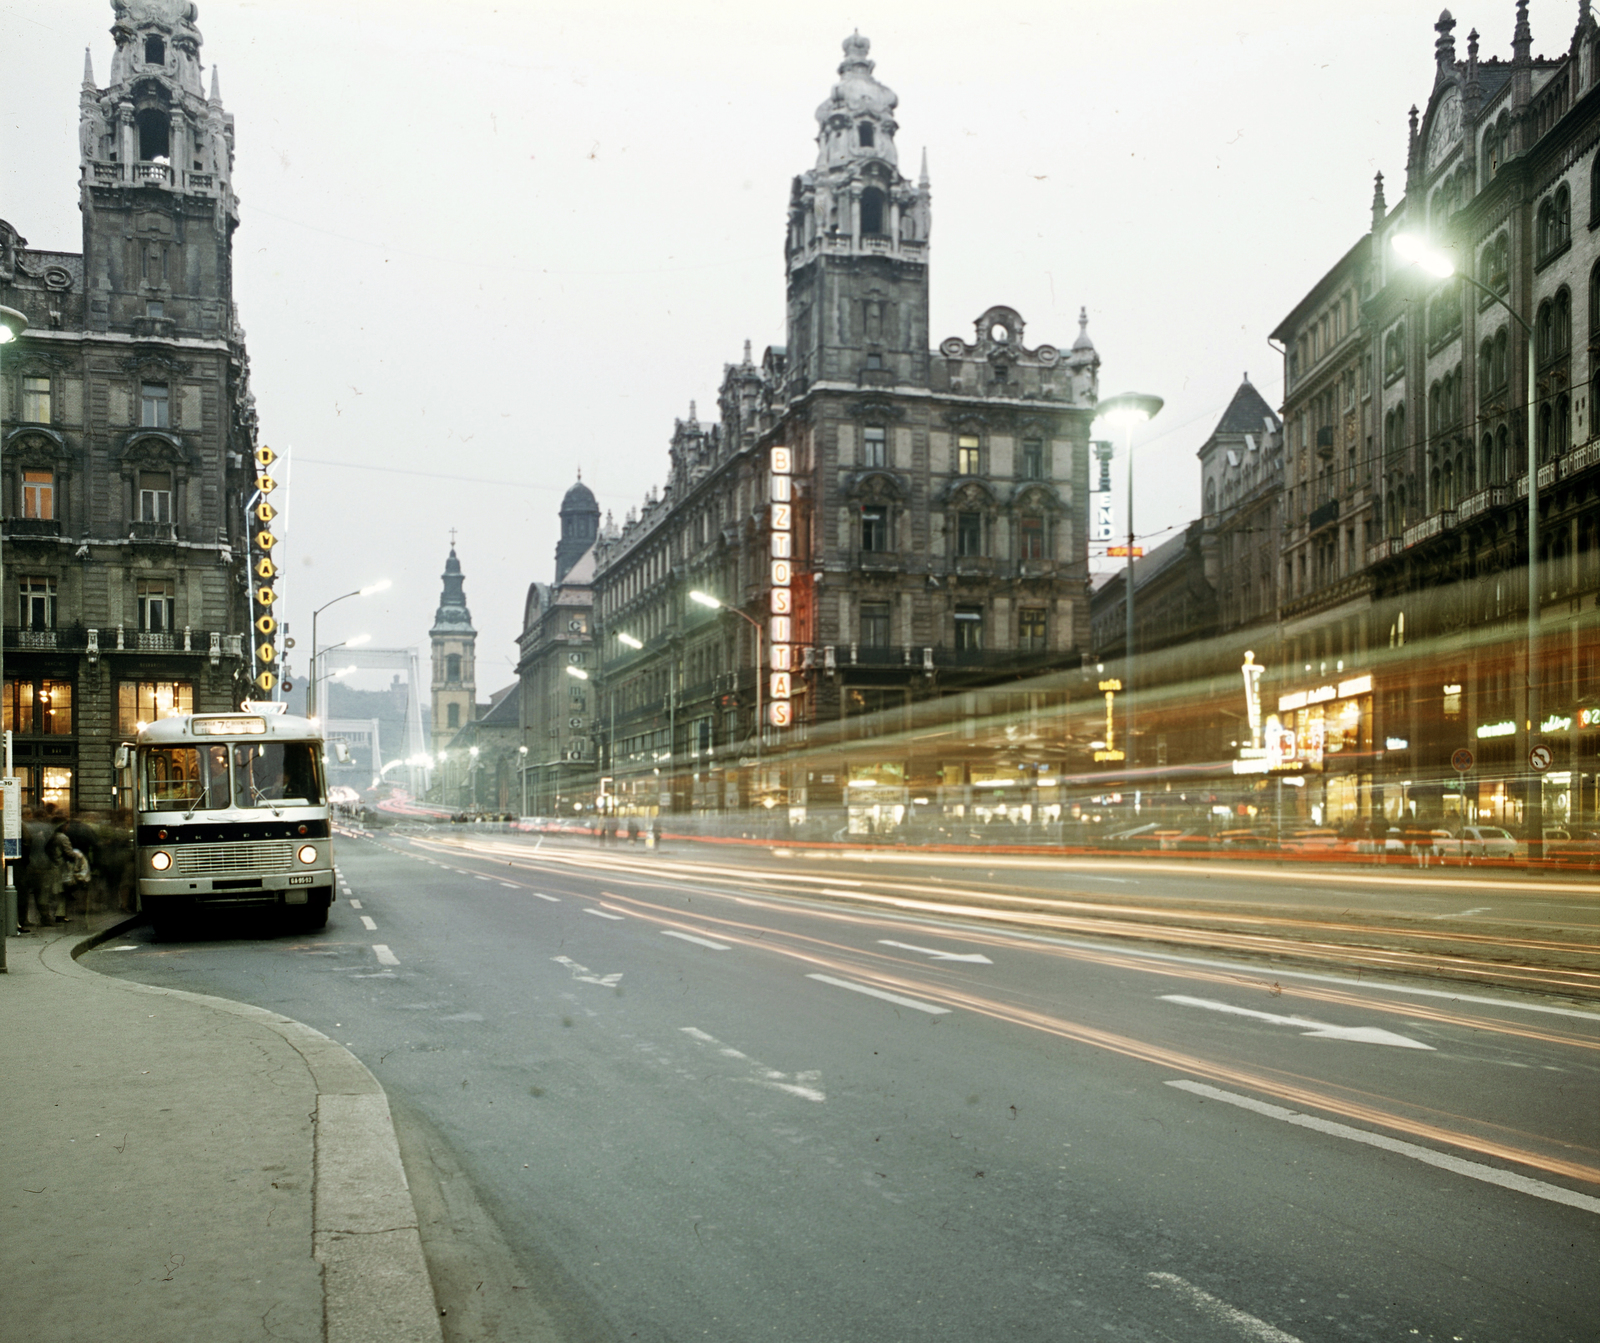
(153, 531)
(1437, 525)
(1496, 496)
(17, 529)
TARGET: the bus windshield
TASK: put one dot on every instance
(273, 773)
(185, 778)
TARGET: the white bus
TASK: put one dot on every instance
(232, 813)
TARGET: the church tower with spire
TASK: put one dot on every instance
(857, 245)
(455, 685)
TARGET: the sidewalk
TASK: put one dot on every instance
(181, 1167)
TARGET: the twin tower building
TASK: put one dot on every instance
(884, 520)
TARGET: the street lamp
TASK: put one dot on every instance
(381, 585)
(1129, 409)
(716, 604)
(522, 773)
(628, 641)
(472, 776)
(1435, 263)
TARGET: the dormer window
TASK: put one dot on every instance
(864, 135)
(155, 51)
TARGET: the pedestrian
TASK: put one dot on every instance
(633, 830)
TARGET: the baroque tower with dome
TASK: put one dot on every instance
(893, 519)
(129, 429)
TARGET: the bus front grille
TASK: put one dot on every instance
(206, 859)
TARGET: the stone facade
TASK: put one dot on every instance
(1406, 481)
(128, 428)
(559, 713)
(929, 533)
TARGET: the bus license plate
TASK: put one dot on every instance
(301, 881)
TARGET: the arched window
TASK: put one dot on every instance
(1486, 461)
(154, 134)
(1502, 359)
(1555, 222)
(1562, 323)
(1561, 438)
(1544, 328)
(1447, 486)
(1502, 445)
(1546, 424)
(872, 211)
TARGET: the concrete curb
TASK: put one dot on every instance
(365, 1228)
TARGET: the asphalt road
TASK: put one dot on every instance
(731, 1096)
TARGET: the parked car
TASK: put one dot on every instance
(1487, 842)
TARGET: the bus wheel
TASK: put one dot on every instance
(309, 919)
(166, 927)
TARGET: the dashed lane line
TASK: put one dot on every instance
(699, 941)
(932, 1009)
(384, 955)
(355, 904)
(1220, 1312)
(368, 923)
(602, 914)
(540, 895)
(1471, 1169)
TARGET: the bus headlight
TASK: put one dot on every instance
(160, 860)
(307, 853)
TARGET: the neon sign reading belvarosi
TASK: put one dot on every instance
(780, 621)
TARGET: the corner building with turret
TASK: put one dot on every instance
(898, 521)
(128, 427)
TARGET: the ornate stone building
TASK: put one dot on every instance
(558, 713)
(889, 521)
(1406, 482)
(128, 427)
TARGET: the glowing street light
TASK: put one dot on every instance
(381, 585)
(1127, 410)
(1431, 261)
(717, 604)
(628, 640)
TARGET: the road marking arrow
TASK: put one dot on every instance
(1365, 1035)
(972, 958)
(581, 972)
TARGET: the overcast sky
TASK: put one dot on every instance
(485, 245)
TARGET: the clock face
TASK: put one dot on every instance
(1445, 133)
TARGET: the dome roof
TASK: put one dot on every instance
(857, 91)
(580, 499)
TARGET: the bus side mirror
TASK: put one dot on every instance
(341, 751)
(124, 756)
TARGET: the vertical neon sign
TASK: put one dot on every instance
(780, 622)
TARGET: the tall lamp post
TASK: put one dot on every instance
(12, 325)
(379, 586)
(522, 773)
(1129, 409)
(1435, 263)
(716, 604)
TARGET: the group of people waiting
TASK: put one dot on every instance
(57, 868)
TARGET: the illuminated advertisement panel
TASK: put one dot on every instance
(780, 626)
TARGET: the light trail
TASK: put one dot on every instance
(1433, 951)
(1290, 1091)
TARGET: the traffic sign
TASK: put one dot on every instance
(1539, 759)
(1462, 761)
